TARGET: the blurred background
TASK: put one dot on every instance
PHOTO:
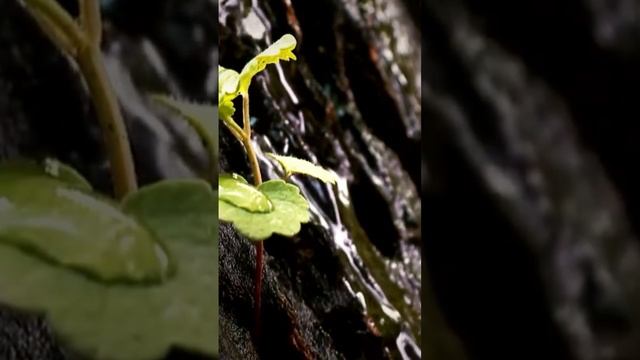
(530, 179)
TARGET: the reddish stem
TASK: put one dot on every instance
(258, 286)
(257, 180)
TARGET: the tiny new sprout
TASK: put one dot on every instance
(265, 208)
(276, 207)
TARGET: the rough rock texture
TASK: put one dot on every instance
(344, 105)
(354, 105)
(530, 178)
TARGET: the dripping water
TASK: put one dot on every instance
(331, 209)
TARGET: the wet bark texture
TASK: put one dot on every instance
(345, 106)
(348, 286)
(531, 177)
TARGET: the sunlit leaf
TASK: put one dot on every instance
(72, 227)
(227, 91)
(231, 84)
(279, 50)
(227, 81)
(234, 189)
(292, 165)
(290, 209)
(117, 321)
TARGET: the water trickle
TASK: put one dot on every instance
(358, 114)
(389, 295)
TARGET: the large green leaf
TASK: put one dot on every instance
(290, 209)
(180, 208)
(72, 227)
(48, 167)
(117, 321)
(292, 165)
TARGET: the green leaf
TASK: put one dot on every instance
(227, 81)
(234, 189)
(157, 205)
(279, 50)
(84, 231)
(49, 167)
(117, 321)
(231, 84)
(227, 91)
(201, 117)
(66, 173)
(290, 209)
(292, 165)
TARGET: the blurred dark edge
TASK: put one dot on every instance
(530, 176)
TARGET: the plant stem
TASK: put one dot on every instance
(258, 286)
(236, 131)
(257, 180)
(55, 14)
(83, 44)
(246, 119)
(248, 145)
(90, 20)
(54, 31)
(114, 129)
(253, 162)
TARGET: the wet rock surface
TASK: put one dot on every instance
(348, 285)
(531, 183)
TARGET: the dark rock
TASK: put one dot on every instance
(46, 111)
(531, 190)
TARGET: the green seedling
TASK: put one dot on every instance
(125, 278)
(261, 209)
(289, 209)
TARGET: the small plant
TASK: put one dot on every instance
(261, 209)
(272, 207)
(125, 278)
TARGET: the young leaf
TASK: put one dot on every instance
(292, 165)
(290, 209)
(123, 321)
(234, 189)
(227, 81)
(71, 227)
(279, 50)
(227, 91)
